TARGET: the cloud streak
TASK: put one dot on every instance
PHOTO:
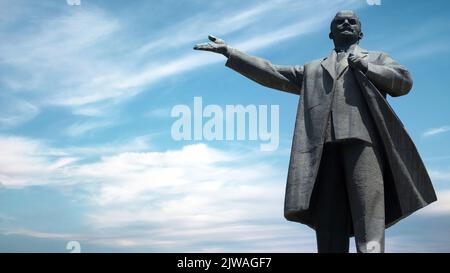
(436, 131)
(15, 111)
(441, 207)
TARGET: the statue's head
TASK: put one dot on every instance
(345, 29)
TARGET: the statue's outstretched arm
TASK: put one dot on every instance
(284, 78)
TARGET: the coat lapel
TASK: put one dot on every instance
(329, 63)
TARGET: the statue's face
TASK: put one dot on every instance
(346, 26)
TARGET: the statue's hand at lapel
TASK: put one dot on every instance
(358, 61)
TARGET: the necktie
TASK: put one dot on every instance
(340, 55)
(341, 62)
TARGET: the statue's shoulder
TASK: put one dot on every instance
(374, 53)
(374, 56)
(314, 63)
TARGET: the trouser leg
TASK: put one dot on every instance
(330, 204)
(364, 179)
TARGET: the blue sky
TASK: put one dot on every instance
(85, 99)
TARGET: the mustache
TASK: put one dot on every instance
(347, 28)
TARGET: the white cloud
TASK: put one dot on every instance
(190, 199)
(133, 144)
(25, 162)
(164, 173)
(40, 234)
(439, 175)
(196, 198)
(441, 207)
(436, 131)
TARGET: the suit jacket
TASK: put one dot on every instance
(407, 184)
(349, 117)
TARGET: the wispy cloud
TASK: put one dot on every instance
(26, 162)
(440, 175)
(437, 158)
(62, 56)
(306, 26)
(14, 111)
(82, 59)
(441, 207)
(156, 71)
(198, 26)
(81, 128)
(424, 50)
(426, 39)
(433, 241)
(436, 131)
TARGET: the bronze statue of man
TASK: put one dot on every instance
(353, 169)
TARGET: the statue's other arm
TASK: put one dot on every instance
(284, 78)
(390, 77)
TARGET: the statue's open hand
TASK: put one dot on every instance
(218, 46)
(358, 62)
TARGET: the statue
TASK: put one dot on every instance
(354, 170)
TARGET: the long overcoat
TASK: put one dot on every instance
(407, 184)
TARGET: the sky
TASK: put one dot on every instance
(86, 94)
